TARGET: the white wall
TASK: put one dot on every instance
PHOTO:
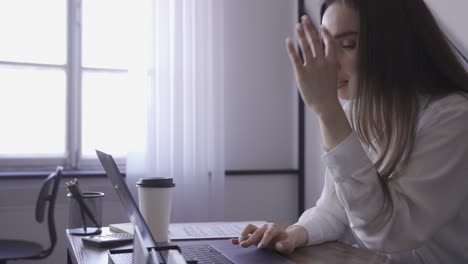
(270, 198)
(261, 131)
(261, 109)
(261, 100)
(451, 15)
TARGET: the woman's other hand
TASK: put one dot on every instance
(316, 74)
(272, 234)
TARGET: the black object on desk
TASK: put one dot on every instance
(76, 193)
(20, 249)
(108, 240)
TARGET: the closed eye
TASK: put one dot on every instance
(350, 46)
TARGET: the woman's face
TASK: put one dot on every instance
(342, 21)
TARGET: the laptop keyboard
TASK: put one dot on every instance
(193, 254)
(199, 253)
(121, 235)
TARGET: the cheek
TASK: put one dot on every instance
(349, 64)
(353, 63)
(353, 72)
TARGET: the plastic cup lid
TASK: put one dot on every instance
(156, 182)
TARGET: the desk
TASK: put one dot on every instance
(333, 252)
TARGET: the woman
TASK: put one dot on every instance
(397, 154)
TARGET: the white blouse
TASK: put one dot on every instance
(429, 222)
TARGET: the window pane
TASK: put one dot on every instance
(32, 111)
(33, 31)
(113, 113)
(107, 33)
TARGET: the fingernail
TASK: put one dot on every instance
(260, 245)
(304, 17)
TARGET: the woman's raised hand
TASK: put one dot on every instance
(316, 74)
(271, 234)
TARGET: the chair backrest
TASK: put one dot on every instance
(48, 195)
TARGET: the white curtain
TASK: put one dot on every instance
(185, 130)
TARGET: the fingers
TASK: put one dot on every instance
(245, 234)
(255, 236)
(293, 56)
(315, 41)
(265, 235)
(273, 231)
(285, 246)
(249, 229)
(304, 43)
(329, 45)
(311, 46)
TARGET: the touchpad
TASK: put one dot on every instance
(252, 254)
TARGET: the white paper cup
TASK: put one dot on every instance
(155, 200)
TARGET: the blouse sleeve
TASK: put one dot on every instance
(426, 194)
(327, 220)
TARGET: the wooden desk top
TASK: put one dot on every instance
(333, 252)
(338, 253)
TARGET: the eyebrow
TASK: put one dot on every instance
(345, 34)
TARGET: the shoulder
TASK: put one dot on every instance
(451, 101)
(450, 109)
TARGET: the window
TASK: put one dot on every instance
(73, 80)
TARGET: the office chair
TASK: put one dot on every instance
(21, 249)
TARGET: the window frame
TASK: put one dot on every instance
(73, 69)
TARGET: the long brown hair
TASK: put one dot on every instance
(402, 55)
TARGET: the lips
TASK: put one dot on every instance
(342, 84)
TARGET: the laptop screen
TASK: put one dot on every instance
(125, 196)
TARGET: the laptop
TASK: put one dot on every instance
(219, 251)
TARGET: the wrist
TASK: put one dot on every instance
(300, 235)
(334, 126)
(331, 112)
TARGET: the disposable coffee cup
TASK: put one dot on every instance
(155, 201)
